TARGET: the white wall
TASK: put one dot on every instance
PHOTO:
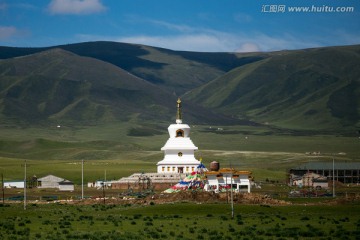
(17, 184)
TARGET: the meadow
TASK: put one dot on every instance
(109, 152)
(179, 221)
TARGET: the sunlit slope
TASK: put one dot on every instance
(174, 71)
(307, 89)
(57, 86)
(60, 85)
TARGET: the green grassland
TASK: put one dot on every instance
(115, 151)
(110, 149)
(179, 221)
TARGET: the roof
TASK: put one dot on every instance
(328, 165)
(66, 182)
(324, 180)
(13, 181)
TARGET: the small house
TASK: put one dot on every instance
(66, 185)
(14, 184)
(228, 178)
(51, 181)
(309, 179)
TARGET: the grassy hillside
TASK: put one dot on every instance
(308, 89)
(174, 71)
(313, 89)
(58, 86)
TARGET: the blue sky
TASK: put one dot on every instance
(191, 25)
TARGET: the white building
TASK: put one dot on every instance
(309, 179)
(228, 178)
(14, 184)
(51, 181)
(179, 149)
(66, 185)
(100, 184)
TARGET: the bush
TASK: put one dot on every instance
(149, 224)
(225, 218)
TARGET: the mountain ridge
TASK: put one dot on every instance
(311, 89)
(302, 83)
(57, 85)
(135, 59)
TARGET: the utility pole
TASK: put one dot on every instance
(232, 198)
(104, 192)
(227, 192)
(2, 187)
(231, 191)
(82, 179)
(333, 177)
(104, 186)
(25, 186)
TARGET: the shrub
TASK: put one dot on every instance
(149, 224)
(231, 228)
(225, 218)
(239, 222)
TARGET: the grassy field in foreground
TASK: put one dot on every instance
(179, 221)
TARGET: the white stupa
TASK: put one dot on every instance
(179, 149)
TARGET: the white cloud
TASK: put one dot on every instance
(220, 42)
(191, 38)
(195, 42)
(243, 18)
(210, 42)
(174, 27)
(7, 32)
(79, 7)
(248, 47)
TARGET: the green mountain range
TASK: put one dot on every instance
(307, 89)
(88, 83)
